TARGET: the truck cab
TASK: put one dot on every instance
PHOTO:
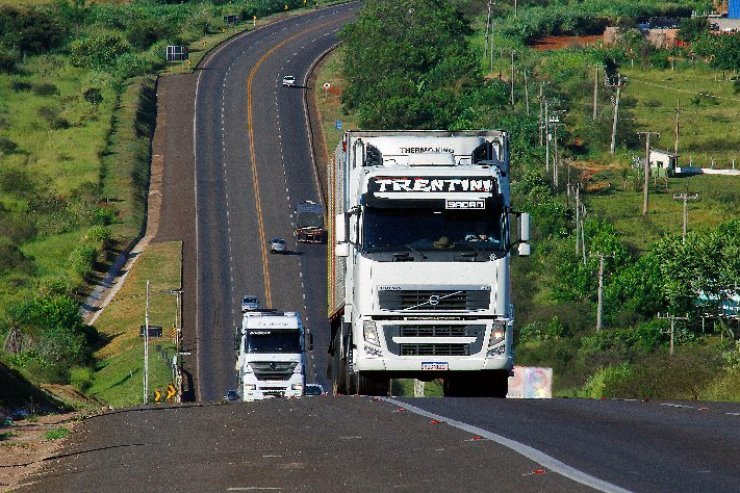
(271, 347)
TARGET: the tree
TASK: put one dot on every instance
(692, 28)
(407, 63)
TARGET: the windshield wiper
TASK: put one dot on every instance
(414, 250)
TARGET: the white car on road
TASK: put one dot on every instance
(289, 81)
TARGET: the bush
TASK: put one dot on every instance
(98, 50)
(93, 96)
(16, 181)
(21, 85)
(82, 259)
(52, 117)
(7, 146)
(603, 382)
(11, 257)
(9, 57)
(45, 89)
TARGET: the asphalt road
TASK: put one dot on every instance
(253, 166)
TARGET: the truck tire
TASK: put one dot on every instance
(339, 372)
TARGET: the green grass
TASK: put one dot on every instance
(67, 157)
(329, 102)
(706, 130)
(57, 434)
(718, 199)
(119, 376)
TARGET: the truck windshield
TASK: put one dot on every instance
(420, 230)
(273, 341)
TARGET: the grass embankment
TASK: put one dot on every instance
(118, 380)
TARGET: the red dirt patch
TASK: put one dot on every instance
(560, 42)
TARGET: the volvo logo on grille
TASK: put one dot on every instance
(434, 300)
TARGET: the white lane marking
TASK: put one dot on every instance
(197, 248)
(531, 453)
(253, 488)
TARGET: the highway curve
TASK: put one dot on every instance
(253, 164)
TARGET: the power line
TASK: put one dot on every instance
(685, 197)
(673, 319)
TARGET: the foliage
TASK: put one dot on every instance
(57, 434)
(722, 50)
(419, 89)
(701, 272)
(98, 49)
(30, 30)
(692, 28)
(55, 337)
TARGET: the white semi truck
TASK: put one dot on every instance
(271, 347)
(419, 283)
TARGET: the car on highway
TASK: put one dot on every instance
(314, 389)
(278, 245)
(289, 81)
(250, 303)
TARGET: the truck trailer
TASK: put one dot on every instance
(271, 355)
(419, 254)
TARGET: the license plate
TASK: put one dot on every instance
(435, 366)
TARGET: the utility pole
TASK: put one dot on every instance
(178, 342)
(547, 138)
(673, 319)
(488, 24)
(556, 157)
(685, 197)
(146, 346)
(526, 91)
(675, 141)
(600, 292)
(646, 170)
(512, 77)
(613, 145)
(578, 218)
(541, 99)
(596, 92)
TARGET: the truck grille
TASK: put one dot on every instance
(431, 332)
(434, 330)
(435, 349)
(432, 300)
(273, 370)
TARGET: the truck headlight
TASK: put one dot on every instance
(297, 386)
(250, 386)
(370, 332)
(498, 336)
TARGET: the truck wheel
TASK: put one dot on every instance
(339, 372)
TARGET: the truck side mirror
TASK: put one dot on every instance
(342, 250)
(525, 249)
(524, 227)
(237, 342)
(340, 228)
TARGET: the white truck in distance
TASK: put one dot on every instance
(271, 361)
(419, 283)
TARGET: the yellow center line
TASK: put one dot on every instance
(255, 177)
